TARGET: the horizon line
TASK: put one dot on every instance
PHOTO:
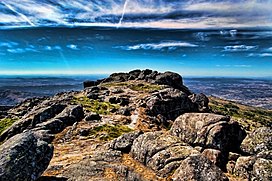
(114, 26)
(107, 74)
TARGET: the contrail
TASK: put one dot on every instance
(20, 14)
(123, 13)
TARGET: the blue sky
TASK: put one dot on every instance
(219, 46)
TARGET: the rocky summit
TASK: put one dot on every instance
(143, 125)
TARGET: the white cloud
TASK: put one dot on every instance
(73, 47)
(243, 66)
(265, 55)
(236, 48)
(21, 50)
(56, 47)
(158, 46)
(269, 49)
(23, 16)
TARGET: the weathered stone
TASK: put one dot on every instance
(90, 83)
(230, 167)
(93, 117)
(31, 119)
(257, 141)
(117, 91)
(265, 154)
(244, 166)
(93, 96)
(67, 117)
(102, 166)
(216, 157)
(123, 101)
(126, 111)
(170, 103)
(172, 79)
(233, 156)
(160, 151)
(84, 132)
(24, 157)
(201, 100)
(262, 170)
(198, 167)
(124, 142)
(167, 78)
(253, 168)
(209, 131)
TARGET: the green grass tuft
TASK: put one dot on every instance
(109, 132)
(96, 106)
(6, 123)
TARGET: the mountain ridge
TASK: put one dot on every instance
(141, 125)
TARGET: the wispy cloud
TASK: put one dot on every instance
(260, 55)
(171, 45)
(235, 66)
(237, 48)
(138, 13)
(19, 14)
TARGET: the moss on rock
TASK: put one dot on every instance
(6, 123)
(95, 105)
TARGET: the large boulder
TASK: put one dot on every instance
(262, 169)
(160, 151)
(90, 83)
(257, 141)
(208, 131)
(201, 100)
(167, 78)
(24, 157)
(31, 119)
(197, 167)
(125, 141)
(253, 168)
(170, 103)
(105, 165)
(67, 117)
(172, 79)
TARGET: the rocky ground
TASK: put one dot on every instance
(141, 125)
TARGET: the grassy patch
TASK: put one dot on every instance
(6, 123)
(249, 117)
(109, 132)
(95, 105)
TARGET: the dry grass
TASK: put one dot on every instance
(249, 117)
(139, 168)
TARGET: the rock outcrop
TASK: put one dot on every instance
(209, 131)
(160, 151)
(196, 168)
(141, 125)
(167, 78)
(24, 157)
(258, 141)
(170, 103)
(54, 118)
